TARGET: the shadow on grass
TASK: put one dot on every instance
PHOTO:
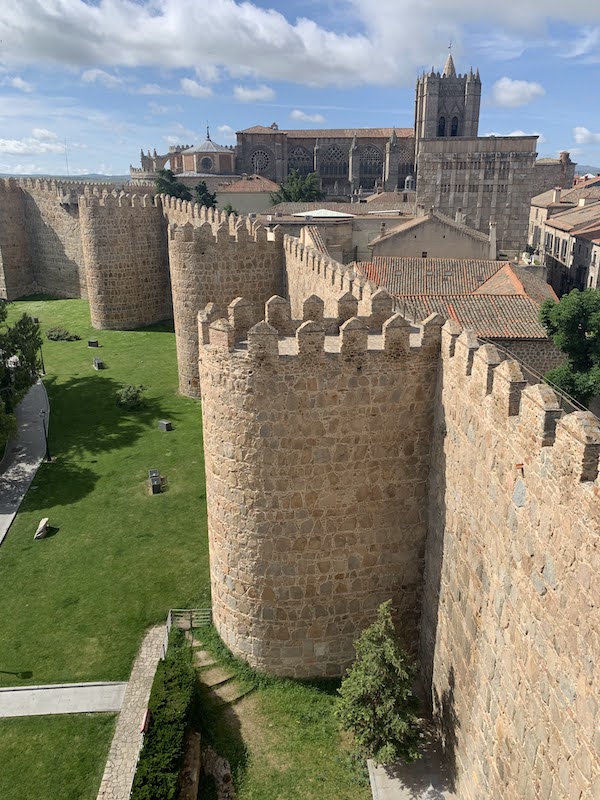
(85, 422)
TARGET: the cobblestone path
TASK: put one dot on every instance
(123, 754)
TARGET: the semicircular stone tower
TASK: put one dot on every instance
(317, 455)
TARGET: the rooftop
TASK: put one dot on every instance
(419, 221)
(251, 183)
(333, 133)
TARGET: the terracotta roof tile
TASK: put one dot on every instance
(333, 133)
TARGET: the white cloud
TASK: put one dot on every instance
(152, 88)
(245, 38)
(226, 132)
(519, 132)
(584, 136)
(509, 93)
(301, 116)
(259, 94)
(22, 169)
(156, 108)
(41, 141)
(103, 77)
(19, 83)
(194, 89)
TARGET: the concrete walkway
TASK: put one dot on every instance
(23, 456)
(425, 779)
(127, 741)
(68, 698)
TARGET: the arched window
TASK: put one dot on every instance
(301, 159)
(454, 127)
(334, 162)
(371, 166)
(442, 126)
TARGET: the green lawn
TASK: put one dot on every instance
(281, 739)
(75, 605)
(58, 757)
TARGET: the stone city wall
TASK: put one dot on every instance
(309, 271)
(317, 459)
(125, 256)
(539, 354)
(16, 277)
(217, 262)
(510, 636)
(53, 232)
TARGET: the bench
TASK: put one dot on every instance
(42, 529)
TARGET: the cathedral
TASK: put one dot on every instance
(487, 180)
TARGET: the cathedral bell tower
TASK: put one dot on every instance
(447, 104)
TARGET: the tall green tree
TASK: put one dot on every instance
(19, 364)
(166, 183)
(203, 197)
(573, 324)
(377, 704)
(297, 189)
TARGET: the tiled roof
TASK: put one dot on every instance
(253, 183)
(490, 316)
(427, 276)
(569, 197)
(333, 133)
(493, 298)
(207, 146)
(575, 217)
(388, 201)
(512, 280)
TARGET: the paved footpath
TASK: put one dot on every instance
(23, 456)
(425, 779)
(67, 698)
(126, 743)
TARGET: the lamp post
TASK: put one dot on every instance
(42, 360)
(43, 416)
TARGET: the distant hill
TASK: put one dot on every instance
(92, 176)
(583, 169)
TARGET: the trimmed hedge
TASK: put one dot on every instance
(171, 702)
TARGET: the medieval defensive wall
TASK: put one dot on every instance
(352, 456)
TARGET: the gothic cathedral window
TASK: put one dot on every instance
(454, 127)
(442, 126)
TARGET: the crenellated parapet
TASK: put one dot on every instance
(217, 258)
(316, 444)
(310, 271)
(509, 634)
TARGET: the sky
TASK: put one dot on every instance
(84, 84)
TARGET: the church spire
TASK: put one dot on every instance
(449, 68)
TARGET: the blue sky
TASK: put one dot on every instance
(108, 77)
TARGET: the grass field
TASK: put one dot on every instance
(58, 757)
(75, 605)
(281, 738)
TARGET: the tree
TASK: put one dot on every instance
(377, 704)
(229, 209)
(19, 364)
(203, 197)
(165, 183)
(298, 189)
(573, 324)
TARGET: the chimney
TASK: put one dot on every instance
(556, 194)
(382, 229)
(493, 246)
(460, 217)
(582, 201)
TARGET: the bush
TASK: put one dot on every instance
(60, 334)
(377, 704)
(130, 398)
(171, 701)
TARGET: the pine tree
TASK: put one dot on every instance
(377, 704)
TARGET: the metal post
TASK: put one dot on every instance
(43, 416)
(42, 360)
